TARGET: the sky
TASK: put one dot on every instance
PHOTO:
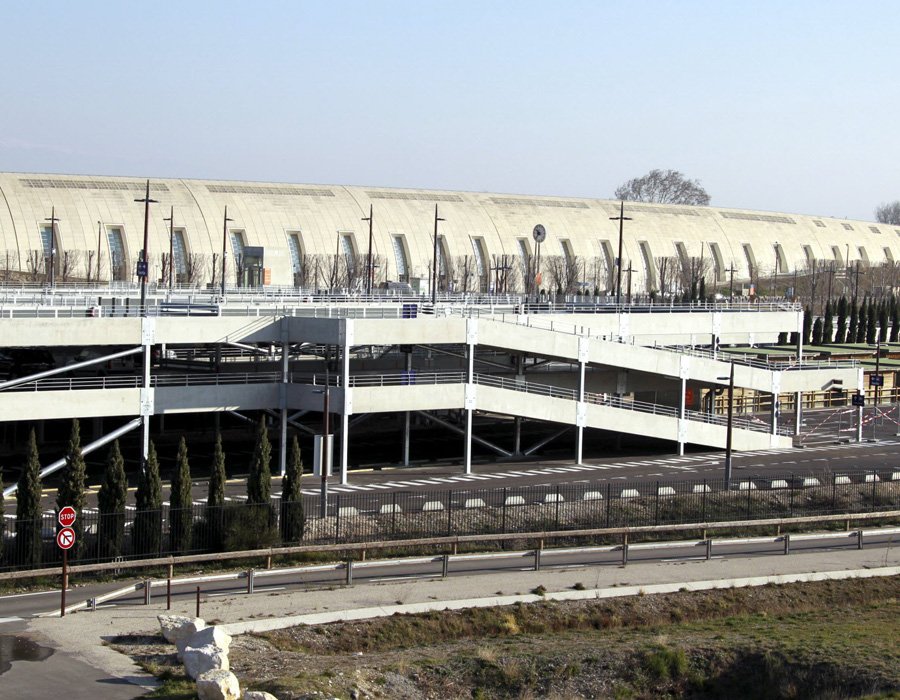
(783, 106)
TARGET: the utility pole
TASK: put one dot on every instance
(731, 272)
(51, 279)
(621, 218)
(143, 266)
(171, 221)
(99, 232)
(629, 271)
(434, 260)
(369, 269)
(224, 242)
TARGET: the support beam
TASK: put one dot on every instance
(68, 368)
(538, 445)
(459, 431)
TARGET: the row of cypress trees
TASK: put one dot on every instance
(847, 322)
(222, 522)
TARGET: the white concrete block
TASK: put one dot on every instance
(811, 481)
(474, 503)
(432, 506)
(553, 498)
(895, 476)
(665, 491)
(701, 488)
(347, 512)
(871, 478)
(779, 484)
(629, 493)
(838, 480)
(389, 508)
(514, 501)
(746, 486)
(592, 496)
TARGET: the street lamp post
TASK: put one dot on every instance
(143, 266)
(621, 218)
(731, 272)
(51, 278)
(729, 425)
(224, 242)
(434, 259)
(775, 284)
(99, 232)
(369, 269)
(171, 221)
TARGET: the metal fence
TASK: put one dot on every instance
(379, 516)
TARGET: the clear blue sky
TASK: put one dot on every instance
(789, 106)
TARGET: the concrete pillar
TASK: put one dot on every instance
(470, 384)
(798, 412)
(681, 413)
(774, 416)
(406, 416)
(345, 409)
(579, 429)
(282, 395)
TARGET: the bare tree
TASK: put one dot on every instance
(194, 263)
(664, 187)
(213, 269)
(466, 274)
(888, 213)
(69, 261)
(36, 263)
(164, 276)
(692, 270)
(563, 271)
(504, 272)
(667, 271)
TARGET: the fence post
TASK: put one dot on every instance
(198, 602)
(349, 578)
(450, 513)
(792, 495)
(445, 565)
(503, 514)
(537, 558)
(624, 548)
(656, 512)
(557, 506)
(833, 493)
(749, 501)
(708, 549)
(608, 499)
(147, 591)
(249, 581)
(703, 502)
(859, 539)
(874, 486)
(337, 520)
(787, 542)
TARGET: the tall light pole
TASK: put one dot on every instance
(729, 424)
(225, 221)
(143, 266)
(621, 218)
(99, 233)
(53, 221)
(369, 270)
(775, 285)
(731, 272)
(171, 221)
(434, 259)
(326, 427)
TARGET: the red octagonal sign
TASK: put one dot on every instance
(67, 516)
(65, 538)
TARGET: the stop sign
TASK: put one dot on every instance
(67, 516)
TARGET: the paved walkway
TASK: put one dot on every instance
(85, 668)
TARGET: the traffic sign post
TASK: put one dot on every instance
(65, 540)
(858, 399)
(67, 516)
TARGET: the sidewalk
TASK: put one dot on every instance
(81, 635)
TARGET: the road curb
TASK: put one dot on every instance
(568, 595)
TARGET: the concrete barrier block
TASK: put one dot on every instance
(895, 476)
(872, 477)
(347, 512)
(432, 506)
(514, 501)
(630, 493)
(389, 508)
(592, 496)
(779, 484)
(838, 480)
(665, 491)
(474, 503)
(811, 481)
(702, 488)
(553, 498)
(746, 486)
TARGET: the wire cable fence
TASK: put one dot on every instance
(354, 518)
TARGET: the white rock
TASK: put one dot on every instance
(258, 695)
(208, 635)
(177, 627)
(199, 660)
(218, 685)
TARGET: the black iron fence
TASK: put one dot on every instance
(378, 516)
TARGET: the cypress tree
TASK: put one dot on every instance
(872, 323)
(841, 335)
(817, 332)
(862, 322)
(28, 508)
(259, 481)
(293, 520)
(807, 325)
(851, 326)
(895, 321)
(147, 531)
(71, 490)
(2, 515)
(702, 291)
(181, 514)
(111, 501)
(883, 322)
(827, 324)
(215, 500)
(782, 338)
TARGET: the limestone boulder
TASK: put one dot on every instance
(218, 684)
(179, 627)
(216, 636)
(199, 660)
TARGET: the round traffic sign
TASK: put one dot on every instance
(65, 538)
(67, 516)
